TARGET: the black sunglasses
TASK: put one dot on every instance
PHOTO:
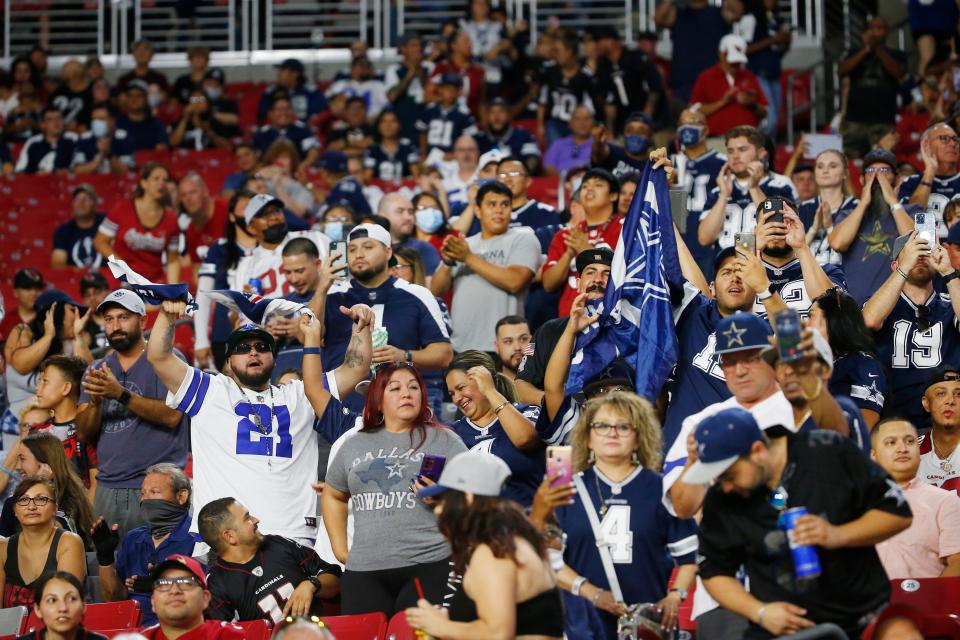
(246, 347)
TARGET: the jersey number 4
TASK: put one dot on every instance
(270, 603)
(263, 444)
(615, 529)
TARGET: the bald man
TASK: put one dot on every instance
(398, 210)
(207, 216)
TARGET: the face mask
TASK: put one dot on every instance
(214, 93)
(689, 135)
(576, 184)
(276, 233)
(636, 144)
(99, 128)
(429, 220)
(334, 230)
(162, 516)
(153, 99)
(555, 556)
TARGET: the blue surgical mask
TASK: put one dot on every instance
(429, 220)
(636, 144)
(99, 128)
(689, 134)
(334, 230)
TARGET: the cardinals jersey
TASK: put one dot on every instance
(261, 587)
(943, 473)
(266, 265)
(257, 446)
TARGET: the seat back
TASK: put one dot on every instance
(363, 626)
(937, 599)
(399, 628)
(255, 629)
(11, 620)
(125, 614)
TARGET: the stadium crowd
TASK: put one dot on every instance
(373, 412)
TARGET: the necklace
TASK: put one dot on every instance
(945, 464)
(603, 503)
(255, 416)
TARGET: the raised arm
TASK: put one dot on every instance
(522, 432)
(171, 369)
(555, 377)
(712, 224)
(882, 302)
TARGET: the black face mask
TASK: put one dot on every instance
(274, 234)
(162, 516)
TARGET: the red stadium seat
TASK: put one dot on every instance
(143, 157)
(364, 626)
(124, 615)
(255, 629)
(399, 629)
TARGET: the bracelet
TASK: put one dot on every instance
(928, 185)
(904, 275)
(124, 398)
(575, 587)
(596, 595)
(760, 611)
(500, 407)
(312, 351)
(953, 275)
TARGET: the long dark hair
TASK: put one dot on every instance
(377, 136)
(492, 521)
(70, 493)
(145, 174)
(37, 327)
(465, 360)
(848, 332)
(45, 578)
(230, 230)
(373, 409)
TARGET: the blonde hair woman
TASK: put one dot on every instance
(616, 460)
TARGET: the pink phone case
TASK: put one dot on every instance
(560, 460)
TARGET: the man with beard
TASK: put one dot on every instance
(202, 218)
(501, 134)
(916, 328)
(250, 438)
(939, 460)
(125, 563)
(940, 181)
(292, 579)
(864, 236)
(742, 184)
(792, 268)
(512, 343)
(851, 504)
(128, 421)
(264, 219)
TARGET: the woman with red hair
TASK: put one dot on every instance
(376, 469)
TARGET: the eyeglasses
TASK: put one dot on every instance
(40, 501)
(946, 138)
(602, 391)
(604, 429)
(246, 347)
(184, 583)
(510, 174)
(870, 170)
(399, 267)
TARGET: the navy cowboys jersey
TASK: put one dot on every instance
(519, 142)
(697, 380)
(444, 126)
(619, 163)
(644, 539)
(913, 340)
(698, 177)
(298, 133)
(39, 155)
(787, 280)
(392, 167)
(260, 588)
(740, 214)
(945, 189)
(861, 377)
(527, 468)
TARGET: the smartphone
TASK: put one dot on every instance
(678, 207)
(341, 248)
(746, 243)
(560, 460)
(773, 204)
(786, 324)
(482, 181)
(432, 466)
(926, 224)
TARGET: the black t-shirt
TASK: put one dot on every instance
(533, 367)
(873, 91)
(831, 477)
(628, 84)
(260, 588)
(75, 105)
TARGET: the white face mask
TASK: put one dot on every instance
(555, 556)
(99, 128)
(154, 99)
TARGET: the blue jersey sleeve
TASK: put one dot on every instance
(836, 275)
(712, 198)
(907, 187)
(556, 431)
(335, 421)
(432, 326)
(681, 536)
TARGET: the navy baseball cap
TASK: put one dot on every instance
(249, 331)
(452, 79)
(722, 255)
(291, 64)
(953, 235)
(52, 296)
(334, 161)
(721, 439)
(216, 74)
(880, 155)
(742, 331)
(618, 373)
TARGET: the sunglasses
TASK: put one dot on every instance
(246, 347)
(184, 583)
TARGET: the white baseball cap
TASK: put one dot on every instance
(477, 472)
(368, 230)
(494, 155)
(257, 204)
(735, 47)
(126, 299)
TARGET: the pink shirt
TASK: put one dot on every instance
(921, 550)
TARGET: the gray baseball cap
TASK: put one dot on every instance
(126, 299)
(480, 473)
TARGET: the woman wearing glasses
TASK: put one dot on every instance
(40, 547)
(617, 457)
(59, 603)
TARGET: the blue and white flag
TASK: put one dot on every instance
(153, 294)
(255, 307)
(636, 318)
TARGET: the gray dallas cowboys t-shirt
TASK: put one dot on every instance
(392, 527)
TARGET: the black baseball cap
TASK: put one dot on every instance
(722, 255)
(249, 331)
(942, 374)
(291, 64)
(84, 187)
(618, 373)
(55, 296)
(880, 155)
(93, 280)
(215, 73)
(594, 255)
(28, 279)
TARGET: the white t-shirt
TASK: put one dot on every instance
(267, 265)
(269, 473)
(943, 473)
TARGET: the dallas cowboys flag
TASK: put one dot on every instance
(636, 320)
(151, 293)
(257, 308)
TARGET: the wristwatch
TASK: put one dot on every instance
(766, 295)
(124, 398)
(315, 581)
(953, 275)
(408, 356)
(680, 592)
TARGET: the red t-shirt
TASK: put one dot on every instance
(209, 630)
(142, 248)
(11, 320)
(602, 235)
(711, 86)
(473, 78)
(200, 240)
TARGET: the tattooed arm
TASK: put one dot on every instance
(170, 369)
(356, 360)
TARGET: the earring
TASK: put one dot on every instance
(635, 458)
(591, 457)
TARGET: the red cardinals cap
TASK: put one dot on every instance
(180, 561)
